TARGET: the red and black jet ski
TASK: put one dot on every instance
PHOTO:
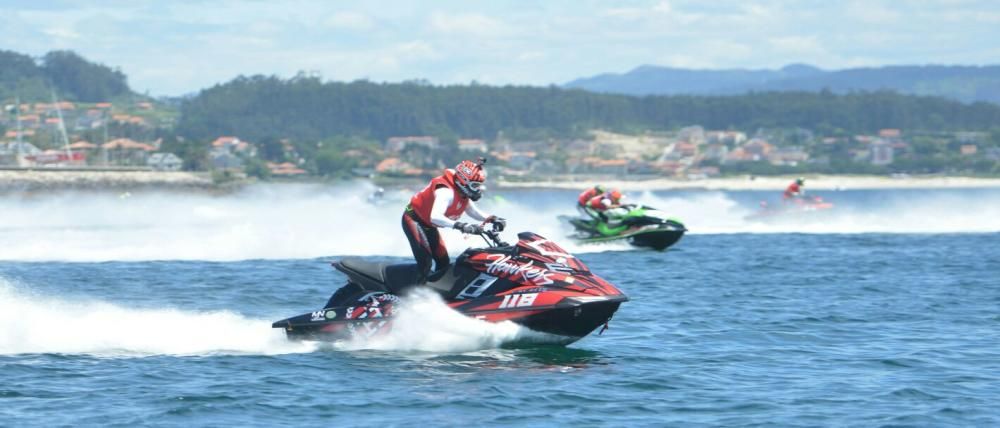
(799, 208)
(534, 283)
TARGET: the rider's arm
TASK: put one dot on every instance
(442, 199)
(473, 211)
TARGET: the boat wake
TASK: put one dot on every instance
(32, 324)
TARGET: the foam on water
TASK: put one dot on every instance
(310, 221)
(31, 324)
(265, 222)
(932, 212)
(41, 324)
(424, 323)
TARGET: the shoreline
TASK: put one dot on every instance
(36, 180)
(39, 180)
(813, 182)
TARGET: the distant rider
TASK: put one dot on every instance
(584, 199)
(441, 204)
(377, 196)
(601, 205)
(795, 190)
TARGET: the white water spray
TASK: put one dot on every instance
(931, 212)
(31, 324)
(265, 222)
(424, 323)
(311, 221)
(38, 324)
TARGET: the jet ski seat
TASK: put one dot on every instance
(388, 277)
(372, 270)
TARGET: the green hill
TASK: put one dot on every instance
(308, 109)
(962, 83)
(70, 75)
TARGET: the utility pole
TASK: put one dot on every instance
(104, 151)
(17, 156)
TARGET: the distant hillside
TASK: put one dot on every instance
(962, 83)
(73, 77)
(302, 108)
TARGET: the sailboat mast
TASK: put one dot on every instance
(62, 128)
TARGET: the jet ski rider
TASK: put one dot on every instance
(794, 191)
(441, 204)
(584, 199)
(598, 203)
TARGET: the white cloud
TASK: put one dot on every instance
(61, 33)
(872, 13)
(790, 46)
(531, 56)
(416, 50)
(350, 21)
(470, 24)
(627, 13)
(662, 7)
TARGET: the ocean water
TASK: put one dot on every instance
(155, 310)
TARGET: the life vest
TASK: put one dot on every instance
(422, 202)
(792, 190)
(587, 195)
(597, 202)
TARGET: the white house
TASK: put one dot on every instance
(164, 162)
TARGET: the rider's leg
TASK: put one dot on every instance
(441, 259)
(420, 245)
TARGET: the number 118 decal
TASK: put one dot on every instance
(518, 300)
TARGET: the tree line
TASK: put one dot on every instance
(70, 75)
(306, 108)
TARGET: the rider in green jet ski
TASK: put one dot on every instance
(604, 207)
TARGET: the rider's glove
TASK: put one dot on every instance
(499, 222)
(471, 229)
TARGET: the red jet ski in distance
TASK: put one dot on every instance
(799, 208)
(534, 283)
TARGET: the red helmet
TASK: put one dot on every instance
(469, 178)
(615, 196)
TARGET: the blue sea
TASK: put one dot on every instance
(154, 309)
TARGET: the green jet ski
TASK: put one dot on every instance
(640, 225)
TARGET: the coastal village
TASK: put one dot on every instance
(65, 135)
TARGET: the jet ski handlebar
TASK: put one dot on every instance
(492, 236)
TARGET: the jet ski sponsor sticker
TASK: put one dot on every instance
(504, 266)
(326, 314)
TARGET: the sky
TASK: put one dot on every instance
(178, 47)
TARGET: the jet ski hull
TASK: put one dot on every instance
(647, 228)
(571, 323)
(563, 323)
(657, 238)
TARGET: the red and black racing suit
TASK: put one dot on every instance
(425, 213)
